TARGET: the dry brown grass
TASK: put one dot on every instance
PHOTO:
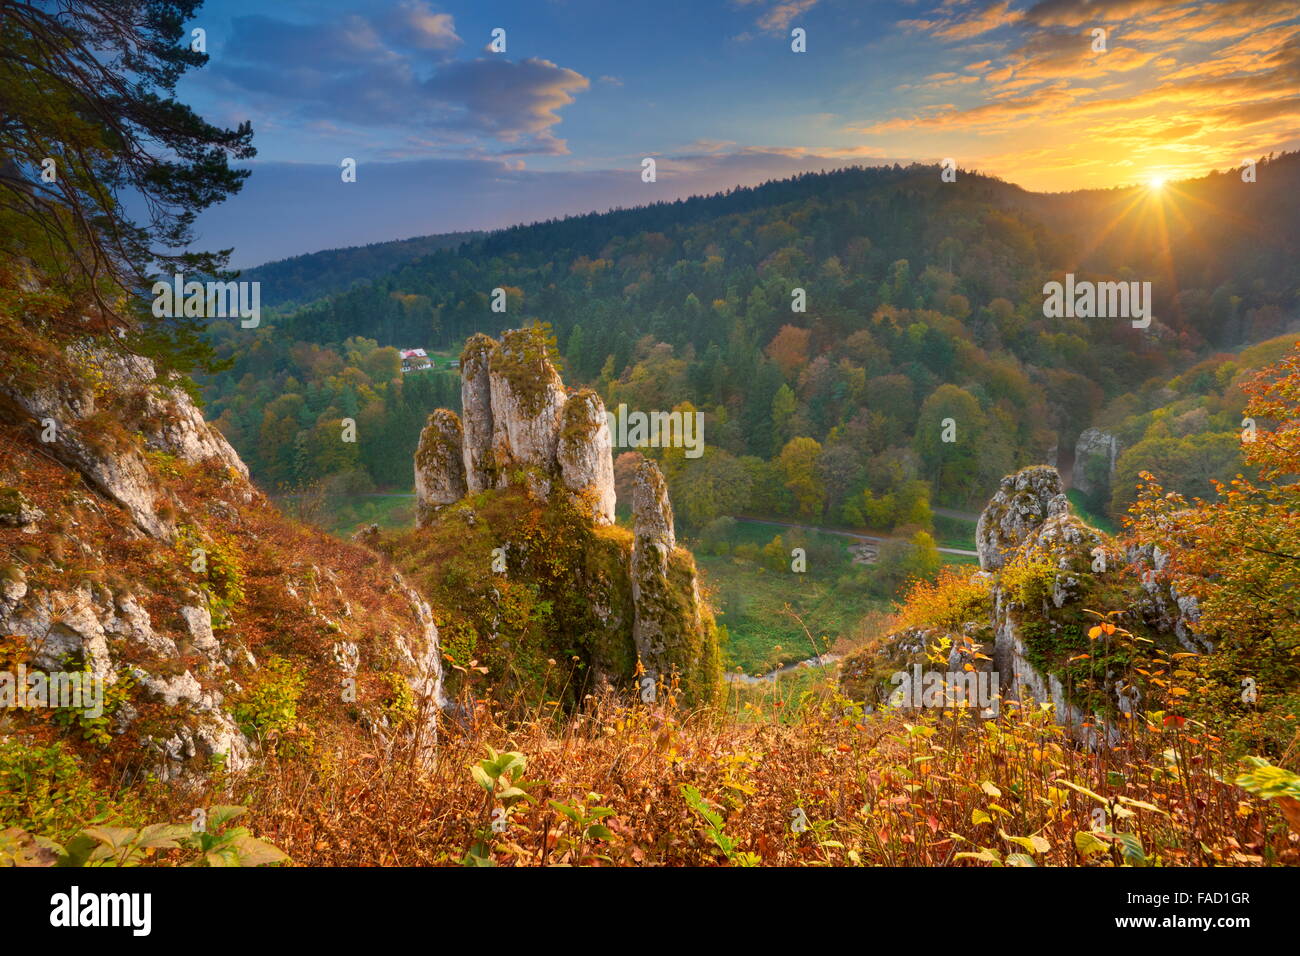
(874, 789)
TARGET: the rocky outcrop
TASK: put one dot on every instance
(69, 414)
(527, 401)
(1043, 566)
(672, 629)
(1095, 454)
(143, 584)
(1029, 519)
(439, 465)
(62, 415)
(164, 413)
(519, 425)
(1020, 507)
(1022, 682)
(98, 628)
(586, 455)
(639, 604)
(652, 546)
(476, 412)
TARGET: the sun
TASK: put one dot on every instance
(1156, 183)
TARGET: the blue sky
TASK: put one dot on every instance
(449, 135)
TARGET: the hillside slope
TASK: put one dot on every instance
(134, 549)
(314, 275)
(857, 310)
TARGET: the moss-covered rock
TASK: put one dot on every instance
(544, 596)
(673, 631)
(528, 399)
(1048, 574)
(530, 574)
(585, 455)
(476, 412)
(17, 510)
(1022, 503)
(439, 465)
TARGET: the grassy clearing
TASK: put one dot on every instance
(1079, 505)
(345, 515)
(954, 533)
(835, 604)
(751, 602)
(752, 596)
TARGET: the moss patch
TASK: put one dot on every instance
(522, 360)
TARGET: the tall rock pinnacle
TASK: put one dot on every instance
(476, 411)
(652, 549)
(586, 456)
(518, 423)
(527, 399)
(439, 465)
(520, 427)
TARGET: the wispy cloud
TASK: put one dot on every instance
(393, 67)
(777, 16)
(1174, 80)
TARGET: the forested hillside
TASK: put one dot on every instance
(308, 277)
(283, 401)
(922, 302)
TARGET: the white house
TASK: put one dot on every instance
(415, 360)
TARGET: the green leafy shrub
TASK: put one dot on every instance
(45, 790)
(271, 705)
(1029, 578)
(214, 845)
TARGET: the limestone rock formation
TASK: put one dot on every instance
(652, 547)
(527, 401)
(586, 454)
(162, 412)
(62, 413)
(439, 465)
(624, 600)
(476, 412)
(65, 412)
(161, 566)
(519, 423)
(1023, 502)
(1030, 516)
(1036, 616)
(1095, 454)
